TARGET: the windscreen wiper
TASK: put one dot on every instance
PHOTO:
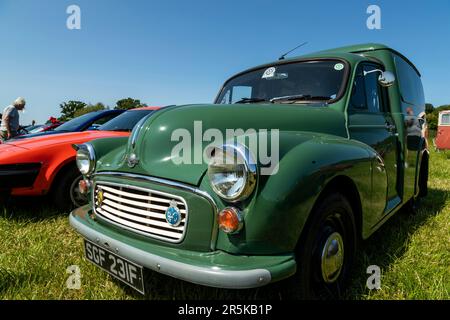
(298, 97)
(251, 100)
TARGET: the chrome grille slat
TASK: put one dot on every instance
(137, 196)
(139, 226)
(132, 210)
(136, 203)
(140, 210)
(145, 221)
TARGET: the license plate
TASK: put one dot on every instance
(120, 268)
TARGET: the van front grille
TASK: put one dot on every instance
(141, 210)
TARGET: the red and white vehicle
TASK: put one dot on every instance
(443, 132)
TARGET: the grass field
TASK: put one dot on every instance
(413, 251)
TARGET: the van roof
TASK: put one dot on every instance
(350, 52)
(357, 48)
(368, 47)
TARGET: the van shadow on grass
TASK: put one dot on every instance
(387, 244)
(162, 287)
(31, 209)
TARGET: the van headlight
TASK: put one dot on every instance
(85, 158)
(232, 172)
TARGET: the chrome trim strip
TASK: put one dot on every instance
(143, 233)
(178, 185)
(207, 276)
(137, 130)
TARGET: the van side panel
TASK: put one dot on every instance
(407, 103)
(412, 106)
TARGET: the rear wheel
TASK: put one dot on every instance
(326, 253)
(66, 192)
(423, 177)
(413, 204)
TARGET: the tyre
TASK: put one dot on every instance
(325, 253)
(5, 197)
(423, 178)
(66, 193)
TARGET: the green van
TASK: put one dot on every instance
(347, 152)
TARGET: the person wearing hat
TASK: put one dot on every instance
(10, 119)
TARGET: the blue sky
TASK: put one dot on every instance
(177, 52)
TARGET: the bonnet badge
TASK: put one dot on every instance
(173, 214)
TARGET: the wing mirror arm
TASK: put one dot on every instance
(386, 78)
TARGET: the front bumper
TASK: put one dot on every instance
(214, 269)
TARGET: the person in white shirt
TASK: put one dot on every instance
(10, 119)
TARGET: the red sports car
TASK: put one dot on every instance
(46, 165)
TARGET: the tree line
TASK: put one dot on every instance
(72, 109)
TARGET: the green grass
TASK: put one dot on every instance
(413, 251)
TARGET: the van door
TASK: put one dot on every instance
(370, 121)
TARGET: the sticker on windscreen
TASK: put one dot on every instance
(338, 66)
(269, 73)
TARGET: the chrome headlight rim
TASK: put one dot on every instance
(250, 172)
(86, 149)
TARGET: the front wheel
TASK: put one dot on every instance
(326, 252)
(67, 193)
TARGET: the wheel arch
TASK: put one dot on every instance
(345, 186)
(58, 173)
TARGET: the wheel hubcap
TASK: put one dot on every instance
(332, 258)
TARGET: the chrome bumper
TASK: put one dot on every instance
(212, 276)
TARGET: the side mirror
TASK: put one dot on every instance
(386, 78)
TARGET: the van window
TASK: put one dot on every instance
(367, 93)
(372, 89)
(320, 81)
(411, 88)
(241, 92)
(445, 119)
(358, 99)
